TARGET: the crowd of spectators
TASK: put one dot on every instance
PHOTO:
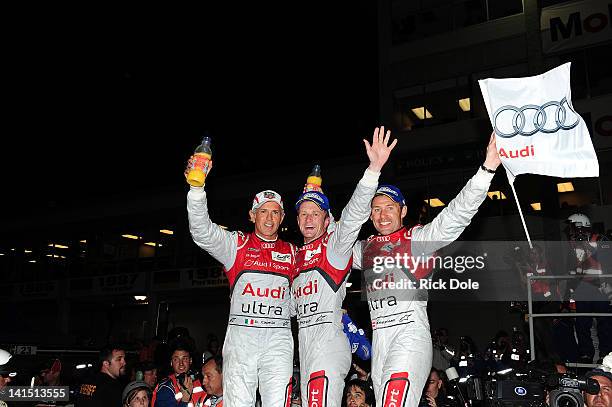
(170, 372)
(177, 374)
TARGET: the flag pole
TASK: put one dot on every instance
(518, 205)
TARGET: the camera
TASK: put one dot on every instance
(181, 377)
(519, 391)
(566, 390)
(423, 402)
(515, 393)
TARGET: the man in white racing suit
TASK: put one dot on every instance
(402, 346)
(323, 264)
(258, 348)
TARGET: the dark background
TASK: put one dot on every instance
(110, 101)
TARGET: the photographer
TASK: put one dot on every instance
(181, 387)
(442, 352)
(467, 360)
(497, 355)
(604, 397)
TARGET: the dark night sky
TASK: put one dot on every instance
(122, 91)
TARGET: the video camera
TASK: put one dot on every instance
(566, 390)
(528, 389)
(507, 393)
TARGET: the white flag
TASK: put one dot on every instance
(538, 131)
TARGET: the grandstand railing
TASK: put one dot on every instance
(533, 315)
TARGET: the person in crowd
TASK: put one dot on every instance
(323, 264)
(467, 360)
(49, 373)
(7, 371)
(147, 351)
(5, 378)
(359, 373)
(181, 387)
(104, 388)
(358, 393)
(296, 396)
(588, 292)
(434, 393)
(213, 345)
(181, 334)
(564, 337)
(212, 379)
(442, 351)
(532, 262)
(402, 345)
(136, 394)
(258, 348)
(147, 372)
(498, 353)
(604, 397)
(360, 345)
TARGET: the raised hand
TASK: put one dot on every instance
(187, 389)
(361, 374)
(379, 151)
(190, 166)
(492, 160)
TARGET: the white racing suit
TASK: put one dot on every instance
(322, 268)
(258, 347)
(402, 347)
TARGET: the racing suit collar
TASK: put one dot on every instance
(394, 232)
(265, 240)
(314, 240)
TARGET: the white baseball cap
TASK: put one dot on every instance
(267, 196)
(580, 219)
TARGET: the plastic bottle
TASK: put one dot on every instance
(314, 180)
(200, 163)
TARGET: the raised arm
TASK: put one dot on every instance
(357, 253)
(452, 221)
(219, 243)
(357, 211)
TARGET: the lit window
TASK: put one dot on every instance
(464, 104)
(565, 187)
(128, 236)
(496, 195)
(421, 113)
(434, 202)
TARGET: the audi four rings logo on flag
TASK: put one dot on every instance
(554, 140)
(552, 122)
